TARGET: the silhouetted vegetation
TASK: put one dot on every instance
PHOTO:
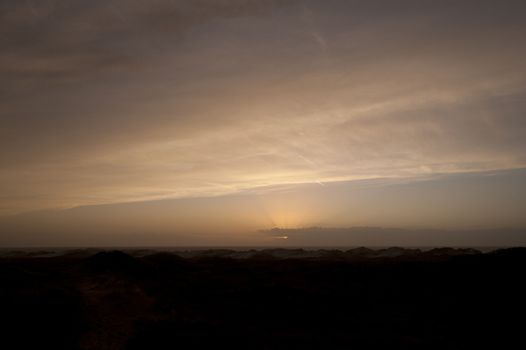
(263, 299)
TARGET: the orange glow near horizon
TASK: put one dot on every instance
(203, 122)
(288, 219)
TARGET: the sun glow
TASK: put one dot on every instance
(289, 219)
(286, 211)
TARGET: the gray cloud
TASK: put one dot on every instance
(111, 101)
(385, 237)
(73, 39)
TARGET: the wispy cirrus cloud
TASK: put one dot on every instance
(115, 101)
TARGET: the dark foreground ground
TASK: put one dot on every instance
(273, 299)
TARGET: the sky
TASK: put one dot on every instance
(209, 122)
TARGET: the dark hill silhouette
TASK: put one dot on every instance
(264, 299)
(164, 258)
(112, 262)
(452, 251)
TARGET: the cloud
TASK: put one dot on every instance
(112, 101)
(384, 237)
(56, 43)
(457, 209)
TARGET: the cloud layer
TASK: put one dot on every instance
(115, 101)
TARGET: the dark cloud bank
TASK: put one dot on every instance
(385, 237)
